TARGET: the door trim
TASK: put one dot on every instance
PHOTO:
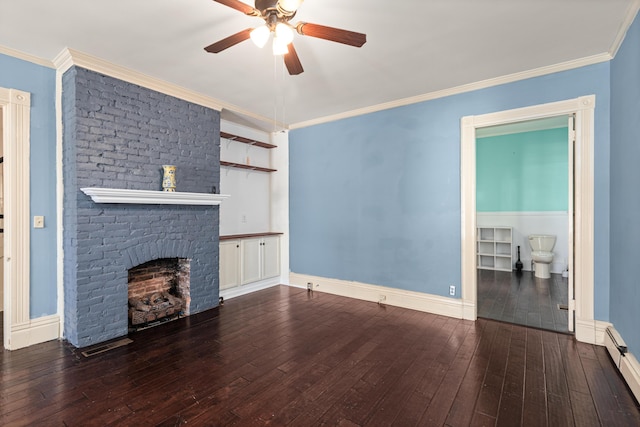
(583, 108)
(15, 106)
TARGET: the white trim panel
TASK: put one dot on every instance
(537, 72)
(247, 289)
(69, 57)
(16, 111)
(625, 362)
(435, 304)
(35, 331)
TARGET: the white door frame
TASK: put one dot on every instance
(16, 117)
(583, 109)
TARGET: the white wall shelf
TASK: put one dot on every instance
(118, 195)
(494, 248)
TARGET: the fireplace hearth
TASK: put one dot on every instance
(158, 291)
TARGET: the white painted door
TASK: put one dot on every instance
(251, 260)
(229, 264)
(271, 257)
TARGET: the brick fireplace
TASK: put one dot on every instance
(118, 135)
(158, 291)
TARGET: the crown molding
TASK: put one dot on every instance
(510, 78)
(634, 7)
(25, 57)
(70, 57)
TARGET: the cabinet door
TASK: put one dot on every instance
(229, 264)
(271, 257)
(251, 260)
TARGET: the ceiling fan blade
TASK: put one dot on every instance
(350, 38)
(292, 61)
(233, 40)
(242, 7)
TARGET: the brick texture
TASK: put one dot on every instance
(118, 135)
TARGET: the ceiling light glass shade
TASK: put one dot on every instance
(289, 5)
(260, 35)
(279, 47)
(284, 33)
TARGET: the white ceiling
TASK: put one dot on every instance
(414, 47)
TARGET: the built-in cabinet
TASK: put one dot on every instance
(494, 248)
(249, 258)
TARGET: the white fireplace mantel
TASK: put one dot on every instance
(116, 195)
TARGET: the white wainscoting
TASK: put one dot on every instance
(526, 223)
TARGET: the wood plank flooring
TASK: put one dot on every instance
(286, 357)
(523, 299)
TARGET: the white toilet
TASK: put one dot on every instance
(541, 253)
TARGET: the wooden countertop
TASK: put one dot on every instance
(246, 236)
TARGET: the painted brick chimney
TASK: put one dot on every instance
(118, 135)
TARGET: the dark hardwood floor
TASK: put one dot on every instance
(523, 299)
(284, 356)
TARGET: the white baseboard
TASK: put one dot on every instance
(428, 303)
(35, 331)
(248, 288)
(624, 361)
(630, 370)
(590, 331)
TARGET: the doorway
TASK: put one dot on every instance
(523, 174)
(581, 303)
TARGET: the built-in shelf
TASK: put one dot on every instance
(117, 195)
(248, 167)
(244, 140)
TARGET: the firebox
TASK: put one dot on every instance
(158, 291)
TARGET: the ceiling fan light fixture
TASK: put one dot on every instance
(279, 46)
(260, 35)
(289, 6)
(284, 33)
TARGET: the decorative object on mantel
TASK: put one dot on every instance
(116, 195)
(169, 178)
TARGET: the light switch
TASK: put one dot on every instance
(38, 221)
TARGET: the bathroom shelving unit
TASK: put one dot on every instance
(494, 248)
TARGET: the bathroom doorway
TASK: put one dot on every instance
(523, 180)
(581, 302)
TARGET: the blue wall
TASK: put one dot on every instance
(376, 198)
(625, 195)
(523, 172)
(39, 81)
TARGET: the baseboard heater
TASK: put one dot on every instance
(626, 363)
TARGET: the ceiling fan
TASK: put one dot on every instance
(276, 15)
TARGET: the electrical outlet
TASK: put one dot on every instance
(382, 299)
(38, 221)
(309, 286)
(452, 290)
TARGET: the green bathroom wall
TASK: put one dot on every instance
(523, 172)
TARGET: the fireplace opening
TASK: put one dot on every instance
(158, 292)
